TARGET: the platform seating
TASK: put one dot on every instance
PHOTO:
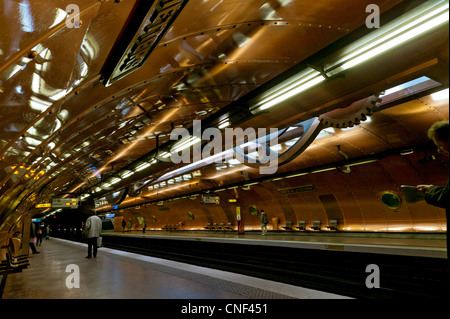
(333, 223)
(316, 225)
(13, 262)
(229, 226)
(288, 225)
(208, 226)
(221, 226)
(171, 227)
(301, 225)
(214, 226)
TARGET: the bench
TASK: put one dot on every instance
(171, 227)
(208, 226)
(229, 226)
(316, 225)
(333, 223)
(288, 225)
(14, 262)
(221, 226)
(301, 225)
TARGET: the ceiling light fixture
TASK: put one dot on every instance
(407, 27)
(418, 21)
(287, 89)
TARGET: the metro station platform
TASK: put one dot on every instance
(115, 274)
(432, 245)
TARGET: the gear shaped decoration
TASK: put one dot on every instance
(351, 115)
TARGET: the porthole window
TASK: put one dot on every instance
(253, 210)
(391, 200)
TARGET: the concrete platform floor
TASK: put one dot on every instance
(61, 264)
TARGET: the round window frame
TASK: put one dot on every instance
(394, 195)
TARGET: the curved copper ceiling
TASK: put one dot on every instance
(62, 131)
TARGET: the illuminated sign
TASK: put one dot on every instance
(43, 205)
(146, 25)
(210, 199)
(65, 202)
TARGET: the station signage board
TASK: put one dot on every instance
(65, 203)
(148, 22)
(210, 199)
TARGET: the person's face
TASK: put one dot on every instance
(441, 145)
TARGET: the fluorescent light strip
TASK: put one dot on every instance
(290, 92)
(142, 166)
(186, 144)
(115, 180)
(419, 21)
(397, 41)
(127, 174)
(307, 79)
(183, 145)
(388, 31)
(223, 125)
(392, 35)
(295, 91)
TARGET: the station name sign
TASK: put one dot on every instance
(295, 190)
(146, 25)
(210, 199)
(65, 202)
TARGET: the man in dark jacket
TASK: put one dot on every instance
(264, 222)
(438, 196)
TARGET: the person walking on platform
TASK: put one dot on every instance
(264, 222)
(438, 196)
(124, 223)
(93, 229)
(32, 236)
(39, 236)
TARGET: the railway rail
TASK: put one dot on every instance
(339, 272)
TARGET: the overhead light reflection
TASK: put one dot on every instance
(440, 96)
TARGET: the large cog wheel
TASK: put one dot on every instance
(351, 115)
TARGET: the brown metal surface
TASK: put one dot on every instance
(58, 121)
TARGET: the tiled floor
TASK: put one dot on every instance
(115, 274)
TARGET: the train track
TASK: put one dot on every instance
(339, 272)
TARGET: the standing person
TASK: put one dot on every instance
(32, 236)
(124, 223)
(264, 222)
(144, 226)
(438, 196)
(93, 230)
(39, 236)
